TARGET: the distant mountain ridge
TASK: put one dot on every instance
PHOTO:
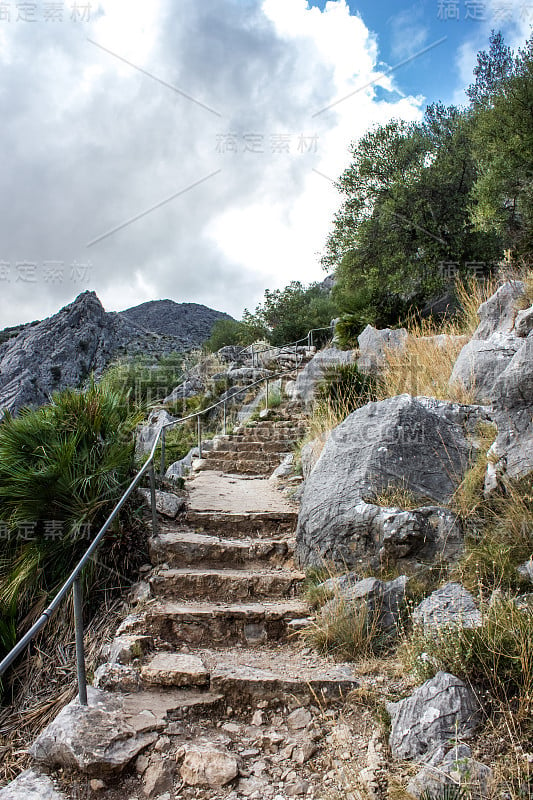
(189, 321)
(82, 338)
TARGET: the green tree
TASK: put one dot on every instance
(288, 314)
(503, 146)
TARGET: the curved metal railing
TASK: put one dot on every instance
(73, 582)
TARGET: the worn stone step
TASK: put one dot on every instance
(219, 624)
(174, 669)
(269, 460)
(243, 676)
(182, 548)
(225, 585)
(252, 445)
(261, 524)
(240, 467)
(251, 454)
(277, 675)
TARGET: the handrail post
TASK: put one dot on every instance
(80, 652)
(311, 338)
(152, 500)
(163, 431)
(253, 357)
(266, 394)
(199, 437)
(225, 417)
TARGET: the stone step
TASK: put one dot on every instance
(225, 585)
(268, 434)
(182, 548)
(277, 675)
(269, 460)
(252, 445)
(243, 676)
(220, 624)
(240, 467)
(265, 524)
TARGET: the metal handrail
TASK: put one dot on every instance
(74, 580)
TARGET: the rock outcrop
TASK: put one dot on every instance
(497, 365)
(82, 338)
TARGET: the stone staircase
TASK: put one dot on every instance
(257, 447)
(224, 608)
(208, 677)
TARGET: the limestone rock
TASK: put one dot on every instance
(524, 322)
(285, 469)
(167, 504)
(310, 453)
(451, 605)
(147, 433)
(125, 649)
(453, 768)
(513, 403)
(158, 777)
(175, 669)
(497, 314)
(373, 343)
(31, 785)
(526, 570)
(314, 372)
(117, 678)
(383, 599)
(481, 362)
(208, 765)
(299, 719)
(441, 709)
(417, 443)
(181, 468)
(95, 739)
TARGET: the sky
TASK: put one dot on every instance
(188, 150)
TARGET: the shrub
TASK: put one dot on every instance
(497, 656)
(147, 379)
(345, 388)
(499, 538)
(62, 469)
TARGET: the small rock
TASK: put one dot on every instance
(162, 745)
(159, 777)
(299, 719)
(294, 789)
(304, 752)
(142, 764)
(208, 765)
(258, 719)
(96, 784)
(31, 785)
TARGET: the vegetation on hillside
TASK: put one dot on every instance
(62, 469)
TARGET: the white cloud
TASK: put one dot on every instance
(113, 142)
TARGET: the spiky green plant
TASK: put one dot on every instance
(62, 469)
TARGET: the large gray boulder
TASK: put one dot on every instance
(373, 344)
(31, 785)
(419, 444)
(314, 372)
(512, 452)
(450, 606)
(96, 739)
(442, 709)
